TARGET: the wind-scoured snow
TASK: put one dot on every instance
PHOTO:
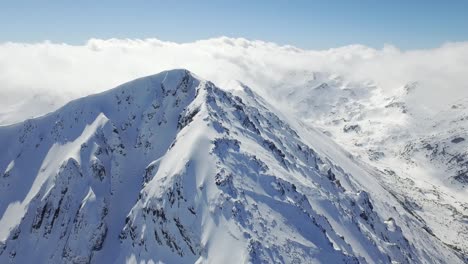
(172, 169)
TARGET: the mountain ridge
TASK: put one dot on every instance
(171, 168)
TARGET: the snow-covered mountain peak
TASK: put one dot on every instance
(170, 168)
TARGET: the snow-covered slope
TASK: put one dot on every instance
(422, 154)
(170, 168)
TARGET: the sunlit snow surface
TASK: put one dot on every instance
(169, 168)
(422, 154)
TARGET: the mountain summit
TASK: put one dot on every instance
(170, 168)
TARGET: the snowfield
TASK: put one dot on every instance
(170, 168)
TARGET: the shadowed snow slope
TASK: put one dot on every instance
(169, 168)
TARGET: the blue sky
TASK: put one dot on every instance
(306, 24)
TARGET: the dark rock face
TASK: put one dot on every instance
(352, 128)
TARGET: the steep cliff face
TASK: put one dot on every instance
(170, 168)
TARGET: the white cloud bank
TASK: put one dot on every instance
(33, 75)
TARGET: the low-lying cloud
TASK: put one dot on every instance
(32, 76)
